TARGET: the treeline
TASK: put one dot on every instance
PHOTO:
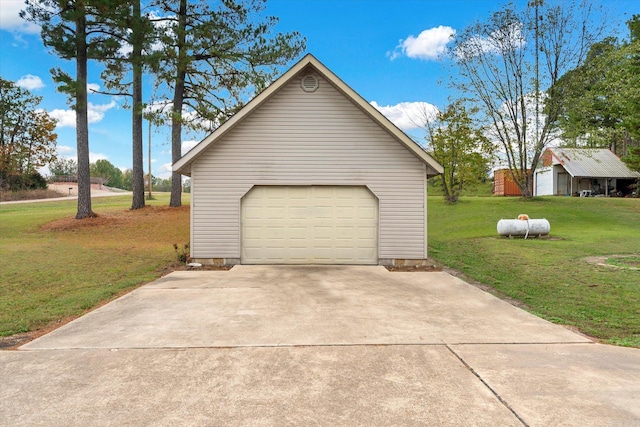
(110, 175)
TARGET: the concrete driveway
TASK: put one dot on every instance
(313, 345)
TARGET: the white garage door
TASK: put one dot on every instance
(309, 225)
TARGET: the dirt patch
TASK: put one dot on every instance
(70, 224)
(109, 219)
(183, 267)
(12, 342)
(601, 261)
(548, 237)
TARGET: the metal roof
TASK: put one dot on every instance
(592, 163)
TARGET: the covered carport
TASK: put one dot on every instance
(584, 172)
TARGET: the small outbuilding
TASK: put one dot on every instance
(504, 184)
(308, 172)
(583, 172)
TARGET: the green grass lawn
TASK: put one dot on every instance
(50, 271)
(550, 276)
(53, 267)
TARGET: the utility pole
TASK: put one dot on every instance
(537, 5)
(150, 184)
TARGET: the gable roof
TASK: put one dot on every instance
(592, 163)
(184, 164)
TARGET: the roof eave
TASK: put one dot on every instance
(183, 165)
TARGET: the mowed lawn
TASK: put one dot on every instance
(550, 276)
(53, 267)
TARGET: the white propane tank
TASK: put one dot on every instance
(524, 227)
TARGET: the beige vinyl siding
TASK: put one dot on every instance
(300, 138)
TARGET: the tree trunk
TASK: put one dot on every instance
(136, 109)
(178, 99)
(82, 123)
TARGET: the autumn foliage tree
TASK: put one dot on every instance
(27, 137)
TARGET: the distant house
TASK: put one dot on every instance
(504, 184)
(583, 172)
(308, 172)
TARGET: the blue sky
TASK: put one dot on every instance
(385, 50)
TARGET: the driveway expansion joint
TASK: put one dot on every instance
(503, 401)
(330, 346)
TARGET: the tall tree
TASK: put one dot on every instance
(462, 149)
(134, 32)
(74, 29)
(213, 58)
(27, 137)
(509, 65)
(587, 117)
(599, 101)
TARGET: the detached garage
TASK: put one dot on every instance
(308, 172)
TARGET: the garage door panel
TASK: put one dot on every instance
(309, 225)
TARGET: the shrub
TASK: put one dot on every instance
(26, 181)
(183, 252)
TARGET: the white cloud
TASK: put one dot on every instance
(67, 152)
(95, 113)
(407, 115)
(164, 171)
(189, 116)
(65, 118)
(188, 145)
(64, 150)
(498, 42)
(163, 25)
(163, 106)
(94, 157)
(196, 121)
(429, 44)
(10, 18)
(30, 82)
(125, 50)
(93, 87)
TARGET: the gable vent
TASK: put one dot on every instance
(309, 83)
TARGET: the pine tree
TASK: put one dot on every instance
(212, 60)
(135, 34)
(75, 31)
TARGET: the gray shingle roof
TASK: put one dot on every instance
(592, 163)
